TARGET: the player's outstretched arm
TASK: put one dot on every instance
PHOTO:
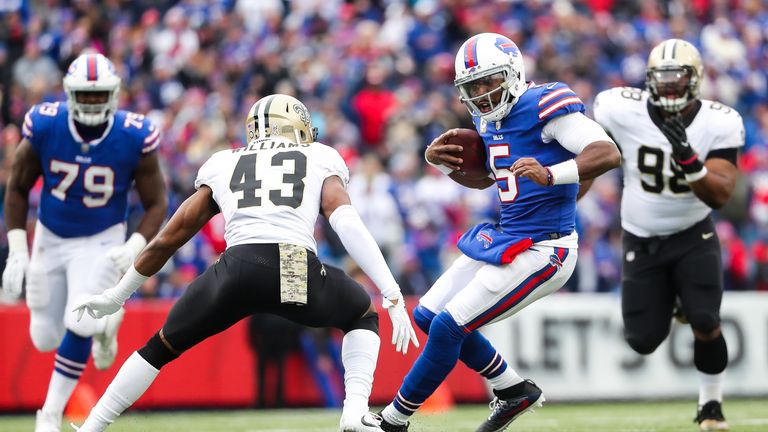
(151, 189)
(191, 216)
(24, 173)
(337, 208)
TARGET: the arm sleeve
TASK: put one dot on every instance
(34, 128)
(574, 132)
(363, 249)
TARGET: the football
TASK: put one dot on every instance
(474, 155)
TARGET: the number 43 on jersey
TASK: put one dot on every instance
(244, 179)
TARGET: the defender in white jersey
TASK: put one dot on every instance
(270, 193)
(679, 159)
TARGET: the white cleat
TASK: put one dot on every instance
(47, 422)
(104, 347)
(367, 422)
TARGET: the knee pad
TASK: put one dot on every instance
(643, 345)
(369, 321)
(444, 326)
(423, 318)
(703, 321)
(157, 353)
(87, 326)
(710, 357)
(45, 335)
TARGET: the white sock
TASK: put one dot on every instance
(506, 379)
(393, 416)
(133, 379)
(710, 387)
(359, 353)
(60, 389)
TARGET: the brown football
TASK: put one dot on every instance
(474, 155)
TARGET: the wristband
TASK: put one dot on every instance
(690, 178)
(17, 241)
(442, 168)
(564, 173)
(136, 243)
(128, 284)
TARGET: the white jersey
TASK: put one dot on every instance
(269, 191)
(657, 200)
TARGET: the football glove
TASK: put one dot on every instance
(402, 330)
(112, 299)
(17, 263)
(685, 156)
(122, 256)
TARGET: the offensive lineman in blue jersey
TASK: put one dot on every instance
(88, 153)
(539, 145)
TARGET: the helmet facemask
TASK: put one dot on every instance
(672, 88)
(92, 107)
(491, 105)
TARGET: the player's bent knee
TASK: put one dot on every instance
(703, 321)
(86, 327)
(45, 337)
(157, 352)
(643, 345)
(423, 318)
(369, 321)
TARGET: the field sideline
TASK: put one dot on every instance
(746, 415)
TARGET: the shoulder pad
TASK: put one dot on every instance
(558, 99)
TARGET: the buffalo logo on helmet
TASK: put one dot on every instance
(507, 46)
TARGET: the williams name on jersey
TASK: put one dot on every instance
(86, 184)
(660, 201)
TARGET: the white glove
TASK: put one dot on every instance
(111, 300)
(17, 263)
(99, 306)
(122, 256)
(402, 330)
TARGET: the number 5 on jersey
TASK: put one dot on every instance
(244, 179)
(505, 180)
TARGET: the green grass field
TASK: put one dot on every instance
(743, 415)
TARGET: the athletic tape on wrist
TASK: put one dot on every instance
(565, 172)
(17, 241)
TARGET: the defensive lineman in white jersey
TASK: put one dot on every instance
(270, 193)
(679, 159)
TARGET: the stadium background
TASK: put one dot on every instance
(377, 76)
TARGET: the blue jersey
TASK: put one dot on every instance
(85, 185)
(529, 212)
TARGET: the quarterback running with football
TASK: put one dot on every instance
(679, 155)
(540, 145)
(270, 193)
(88, 153)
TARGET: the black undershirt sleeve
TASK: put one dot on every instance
(730, 154)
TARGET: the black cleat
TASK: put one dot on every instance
(710, 417)
(505, 411)
(389, 427)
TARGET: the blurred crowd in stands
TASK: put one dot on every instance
(378, 78)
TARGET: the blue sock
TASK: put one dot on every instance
(435, 363)
(72, 355)
(476, 351)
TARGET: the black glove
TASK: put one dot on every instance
(685, 156)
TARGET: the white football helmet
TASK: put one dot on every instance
(280, 115)
(674, 74)
(92, 73)
(490, 58)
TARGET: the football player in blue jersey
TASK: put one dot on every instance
(540, 145)
(88, 153)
